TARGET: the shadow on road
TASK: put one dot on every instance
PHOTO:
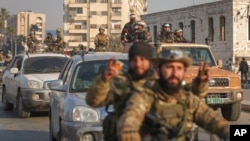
(25, 135)
(13, 114)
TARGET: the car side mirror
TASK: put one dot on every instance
(56, 85)
(219, 63)
(14, 70)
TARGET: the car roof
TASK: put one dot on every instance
(42, 54)
(91, 56)
(184, 45)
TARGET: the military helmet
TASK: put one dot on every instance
(101, 28)
(31, 34)
(166, 25)
(173, 56)
(178, 30)
(58, 30)
(141, 23)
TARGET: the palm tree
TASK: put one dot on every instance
(4, 15)
(34, 28)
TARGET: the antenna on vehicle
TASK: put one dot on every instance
(27, 53)
(82, 53)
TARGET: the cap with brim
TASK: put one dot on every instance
(173, 57)
(166, 25)
(132, 15)
(178, 30)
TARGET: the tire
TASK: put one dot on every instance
(6, 105)
(22, 113)
(231, 112)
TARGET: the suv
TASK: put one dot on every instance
(23, 82)
(70, 117)
(224, 91)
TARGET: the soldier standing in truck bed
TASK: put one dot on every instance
(101, 40)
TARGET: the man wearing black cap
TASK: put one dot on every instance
(110, 87)
(128, 33)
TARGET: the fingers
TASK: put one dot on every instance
(111, 62)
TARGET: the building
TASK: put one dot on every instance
(23, 21)
(82, 18)
(224, 25)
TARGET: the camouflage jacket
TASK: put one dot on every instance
(179, 111)
(180, 40)
(101, 40)
(118, 90)
(128, 32)
(115, 92)
(144, 36)
(166, 37)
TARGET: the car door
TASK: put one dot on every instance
(15, 78)
(8, 79)
(57, 98)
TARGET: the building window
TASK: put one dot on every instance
(104, 1)
(78, 27)
(211, 29)
(116, 9)
(93, 26)
(155, 33)
(93, 13)
(117, 26)
(93, 1)
(84, 25)
(84, 37)
(81, 1)
(222, 28)
(193, 31)
(248, 27)
(181, 25)
(104, 13)
(116, 1)
(79, 10)
(104, 25)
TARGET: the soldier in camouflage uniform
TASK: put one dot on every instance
(178, 36)
(128, 33)
(166, 35)
(49, 41)
(142, 33)
(113, 88)
(59, 43)
(169, 100)
(101, 40)
(32, 42)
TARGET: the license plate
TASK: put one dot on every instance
(215, 100)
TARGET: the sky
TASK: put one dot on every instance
(54, 8)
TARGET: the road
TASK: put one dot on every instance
(36, 128)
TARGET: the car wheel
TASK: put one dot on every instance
(231, 112)
(22, 113)
(51, 136)
(6, 105)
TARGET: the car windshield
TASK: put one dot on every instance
(86, 72)
(48, 64)
(197, 54)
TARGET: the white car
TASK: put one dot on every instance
(23, 82)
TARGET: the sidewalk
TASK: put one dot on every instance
(245, 104)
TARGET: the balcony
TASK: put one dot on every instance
(116, 4)
(74, 5)
(116, 16)
(77, 31)
(80, 18)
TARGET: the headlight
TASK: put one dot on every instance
(34, 84)
(84, 114)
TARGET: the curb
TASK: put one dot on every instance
(245, 106)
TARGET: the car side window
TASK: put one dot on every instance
(64, 70)
(17, 62)
(66, 73)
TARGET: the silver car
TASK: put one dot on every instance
(71, 119)
(23, 82)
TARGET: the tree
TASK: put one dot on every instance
(4, 15)
(114, 43)
(34, 28)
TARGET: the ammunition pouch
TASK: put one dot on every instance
(109, 127)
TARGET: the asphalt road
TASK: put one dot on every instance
(36, 128)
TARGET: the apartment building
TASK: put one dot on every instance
(23, 21)
(82, 18)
